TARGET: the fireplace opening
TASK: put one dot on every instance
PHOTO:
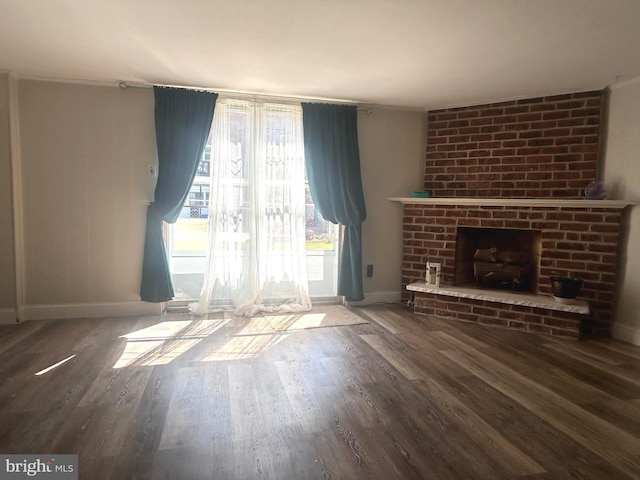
(498, 258)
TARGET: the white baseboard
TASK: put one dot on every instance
(7, 315)
(626, 333)
(90, 310)
(378, 297)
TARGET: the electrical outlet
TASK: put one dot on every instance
(369, 270)
(153, 170)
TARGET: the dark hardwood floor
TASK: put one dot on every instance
(402, 397)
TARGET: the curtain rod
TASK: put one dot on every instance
(125, 85)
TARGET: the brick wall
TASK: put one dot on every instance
(580, 242)
(543, 147)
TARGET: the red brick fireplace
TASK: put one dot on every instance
(516, 165)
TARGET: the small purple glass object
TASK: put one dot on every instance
(595, 191)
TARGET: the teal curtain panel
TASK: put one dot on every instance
(183, 121)
(333, 169)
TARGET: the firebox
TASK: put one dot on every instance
(498, 258)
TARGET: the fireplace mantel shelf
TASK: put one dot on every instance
(515, 202)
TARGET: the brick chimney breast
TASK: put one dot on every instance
(544, 147)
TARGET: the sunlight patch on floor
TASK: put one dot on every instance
(55, 365)
(308, 320)
(243, 347)
(161, 343)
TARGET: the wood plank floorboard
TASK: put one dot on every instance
(400, 397)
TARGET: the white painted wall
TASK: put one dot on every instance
(7, 272)
(84, 156)
(392, 155)
(622, 179)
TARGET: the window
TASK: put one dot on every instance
(233, 175)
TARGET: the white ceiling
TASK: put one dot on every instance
(409, 53)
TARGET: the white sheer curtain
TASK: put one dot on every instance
(256, 259)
